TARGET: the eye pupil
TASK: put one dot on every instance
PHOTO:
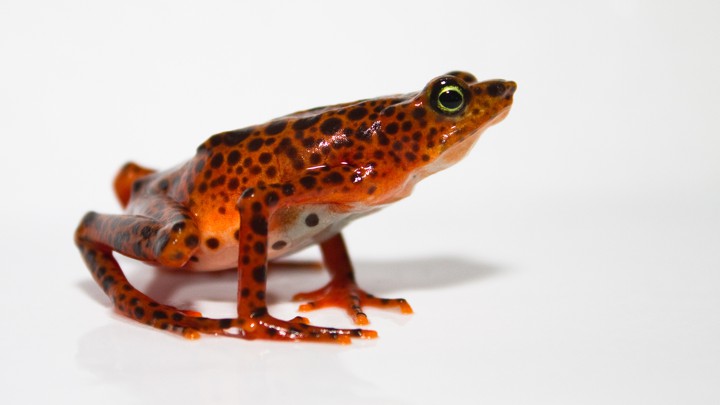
(450, 99)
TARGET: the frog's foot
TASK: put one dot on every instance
(260, 325)
(297, 329)
(351, 298)
(186, 323)
(263, 326)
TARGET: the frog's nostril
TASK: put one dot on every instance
(501, 88)
(510, 88)
(496, 89)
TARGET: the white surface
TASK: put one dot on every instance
(571, 258)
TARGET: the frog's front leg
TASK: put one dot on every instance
(256, 206)
(342, 290)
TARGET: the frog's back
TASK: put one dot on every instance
(331, 163)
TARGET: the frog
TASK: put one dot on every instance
(254, 195)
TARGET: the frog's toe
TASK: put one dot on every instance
(352, 299)
(184, 331)
(189, 312)
(269, 328)
(400, 303)
(350, 302)
(299, 319)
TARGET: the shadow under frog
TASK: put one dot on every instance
(187, 289)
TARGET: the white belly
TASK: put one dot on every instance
(291, 230)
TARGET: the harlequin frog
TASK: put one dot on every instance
(258, 193)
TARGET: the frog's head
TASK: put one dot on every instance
(391, 141)
(449, 115)
(421, 133)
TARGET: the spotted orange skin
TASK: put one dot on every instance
(246, 190)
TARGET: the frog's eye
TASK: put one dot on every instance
(448, 96)
(450, 99)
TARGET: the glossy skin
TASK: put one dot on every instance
(259, 193)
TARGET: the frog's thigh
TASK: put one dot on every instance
(168, 243)
(142, 238)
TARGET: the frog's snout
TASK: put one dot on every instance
(501, 88)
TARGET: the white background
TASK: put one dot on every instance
(573, 257)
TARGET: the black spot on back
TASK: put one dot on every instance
(357, 113)
(255, 144)
(265, 158)
(217, 160)
(233, 138)
(233, 158)
(333, 178)
(288, 189)
(305, 123)
(330, 126)
(275, 127)
(308, 182)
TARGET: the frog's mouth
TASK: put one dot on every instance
(457, 150)
(499, 117)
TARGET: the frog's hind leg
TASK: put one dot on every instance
(140, 237)
(125, 178)
(342, 290)
(165, 234)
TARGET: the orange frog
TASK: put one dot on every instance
(262, 192)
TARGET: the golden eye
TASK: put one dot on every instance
(450, 99)
(448, 95)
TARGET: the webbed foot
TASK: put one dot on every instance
(348, 296)
(264, 326)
